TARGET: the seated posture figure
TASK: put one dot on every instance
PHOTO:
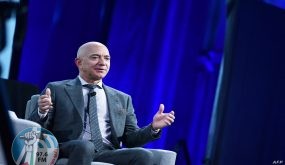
(90, 119)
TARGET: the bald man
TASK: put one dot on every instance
(63, 108)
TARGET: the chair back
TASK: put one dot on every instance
(31, 105)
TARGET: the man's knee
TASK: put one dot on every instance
(85, 148)
(144, 156)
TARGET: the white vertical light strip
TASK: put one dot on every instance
(6, 53)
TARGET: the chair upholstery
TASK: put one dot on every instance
(31, 104)
(161, 157)
(19, 125)
(63, 161)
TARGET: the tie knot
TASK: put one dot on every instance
(90, 86)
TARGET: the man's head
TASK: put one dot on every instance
(93, 61)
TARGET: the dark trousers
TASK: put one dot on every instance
(83, 152)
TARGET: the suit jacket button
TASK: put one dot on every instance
(96, 151)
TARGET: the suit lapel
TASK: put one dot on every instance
(116, 111)
(74, 90)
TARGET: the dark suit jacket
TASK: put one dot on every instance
(65, 120)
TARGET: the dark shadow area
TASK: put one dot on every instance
(248, 121)
(13, 94)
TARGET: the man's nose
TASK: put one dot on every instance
(102, 60)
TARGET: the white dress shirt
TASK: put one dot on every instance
(102, 110)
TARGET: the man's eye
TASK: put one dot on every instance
(94, 57)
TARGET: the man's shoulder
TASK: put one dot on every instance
(113, 90)
(61, 82)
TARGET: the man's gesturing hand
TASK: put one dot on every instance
(161, 119)
(44, 102)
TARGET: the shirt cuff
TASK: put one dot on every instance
(155, 131)
(42, 115)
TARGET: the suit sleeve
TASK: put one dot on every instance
(45, 122)
(133, 135)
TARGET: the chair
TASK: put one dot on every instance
(161, 157)
(19, 125)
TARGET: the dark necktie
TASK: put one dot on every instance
(96, 136)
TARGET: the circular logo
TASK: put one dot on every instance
(35, 146)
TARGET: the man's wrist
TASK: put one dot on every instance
(42, 112)
(153, 129)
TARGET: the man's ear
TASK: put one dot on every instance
(77, 62)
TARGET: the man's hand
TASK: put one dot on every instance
(44, 102)
(161, 120)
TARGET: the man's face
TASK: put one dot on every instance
(93, 62)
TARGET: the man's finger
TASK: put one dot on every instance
(47, 100)
(170, 119)
(171, 116)
(45, 107)
(161, 108)
(48, 92)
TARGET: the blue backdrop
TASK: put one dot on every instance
(162, 52)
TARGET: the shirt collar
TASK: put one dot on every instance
(83, 82)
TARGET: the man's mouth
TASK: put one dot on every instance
(99, 69)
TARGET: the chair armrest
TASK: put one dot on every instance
(21, 124)
(63, 161)
(163, 157)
